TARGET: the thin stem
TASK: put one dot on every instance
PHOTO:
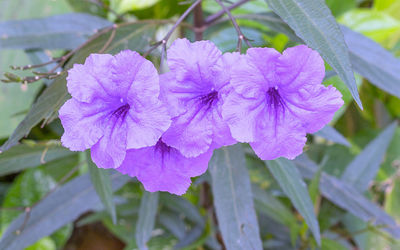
(241, 37)
(110, 39)
(28, 210)
(105, 6)
(212, 18)
(198, 22)
(168, 35)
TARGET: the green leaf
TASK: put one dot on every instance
(65, 31)
(347, 197)
(182, 206)
(57, 209)
(330, 133)
(23, 156)
(373, 62)
(134, 36)
(102, 184)
(147, 218)
(233, 199)
(376, 25)
(314, 24)
(365, 165)
(328, 244)
(290, 180)
(269, 205)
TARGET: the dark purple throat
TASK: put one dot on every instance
(275, 102)
(122, 111)
(209, 99)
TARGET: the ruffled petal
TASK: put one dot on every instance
(242, 115)
(254, 73)
(301, 71)
(314, 106)
(110, 150)
(164, 169)
(86, 82)
(299, 66)
(133, 77)
(221, 133)
(146, 124)
(176, 94)
(282, 137)
(192, 63)
(191, 132)
(223, 71)
(83, 123)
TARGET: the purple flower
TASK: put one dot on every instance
(114, 107)
(163, 168)
(277, 99)
(193, 90)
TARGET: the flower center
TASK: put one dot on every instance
(275, 101)
(122, 111)
(162, 147)
(209, 98)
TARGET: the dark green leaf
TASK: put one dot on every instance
(147, 218)
(23, 156)
(65, 31)
(364, 167)
(347, 197)
(57, 209)
(182, 206)
(333, 135)
(314, 24)
(233, 199)
(102, 184)
(373, 62)
(290, 180)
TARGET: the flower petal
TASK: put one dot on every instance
(282, 137)
(299, 66)
(254, 73)
(314, 106)
(164, 171)
(192, 63)
(83, 123)
(146, 124)
(176, 94)
(135, 77)
(191, 132)
(242, 115)
(110, 150)
(86, 82)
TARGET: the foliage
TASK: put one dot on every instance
(343, 192)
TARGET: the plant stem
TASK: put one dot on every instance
(241, 37)
(212, 18)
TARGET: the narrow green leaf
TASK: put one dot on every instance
(182, 206)
(65, 31)
(290, 180)
(333, 135)
(56, 210)
(23, 156)
(102, 184)
(233, 199)
(313, 188)
(314, 23)
(147, 218)
(365, 165)
(373, 62)
(347, 197)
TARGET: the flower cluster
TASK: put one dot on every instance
(162, 129)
